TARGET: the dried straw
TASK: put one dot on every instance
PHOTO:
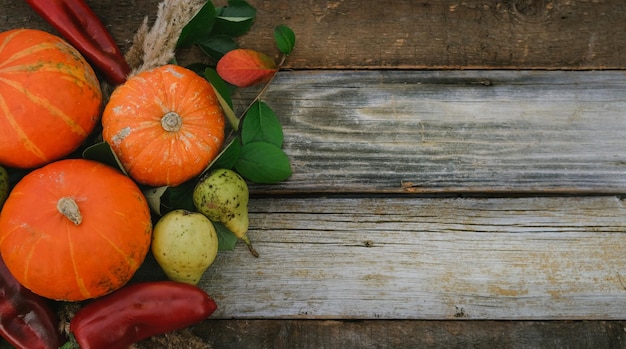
(155, 46)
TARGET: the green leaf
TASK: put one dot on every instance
(285, 38)
(103, 153)
(199, 27)
(226, 239)
(223, 96)
(260, 124)
(237, 10)
(180, 197)
(229, 156)
(233, 120)
(225, 157)
(216, 46)
(198, 68)
(235, 19)
(220, 86)
(263, 162)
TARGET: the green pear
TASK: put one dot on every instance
(184, 244)
(222, 195)
(4, 185)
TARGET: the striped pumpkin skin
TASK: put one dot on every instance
(59, 258)
(50, 98)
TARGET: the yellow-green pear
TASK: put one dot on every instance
(222, 195)
(184, 244)
(4, 185)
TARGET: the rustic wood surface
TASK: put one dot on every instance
(392, 34)
(452, 132)
(429, 195)
(433, 258)
(286, 334)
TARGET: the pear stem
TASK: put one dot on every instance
(250, 247)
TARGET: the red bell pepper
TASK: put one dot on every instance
(139, 311)
(80, 26)
(26, 319)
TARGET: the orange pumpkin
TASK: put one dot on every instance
(50, 98)
(74, 229)
(165, 125)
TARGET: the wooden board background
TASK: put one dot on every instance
(452, 132)
(407, 34)
(424, 188)
(390, 258)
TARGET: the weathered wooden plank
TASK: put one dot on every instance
(438, 258)
(452, 131)
(440, 34)
(391, 34)
(278, 334)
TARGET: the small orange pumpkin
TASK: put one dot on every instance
(74, 229)
(165, 125)
(50, 98)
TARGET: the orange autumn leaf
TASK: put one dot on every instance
(244, 67)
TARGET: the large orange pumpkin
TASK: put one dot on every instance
(74, 229)
(50, 98)
(165, 125)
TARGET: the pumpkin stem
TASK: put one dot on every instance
(68, 207)
(171, 122)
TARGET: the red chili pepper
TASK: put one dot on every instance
(75, 20)
(139, 311)
(26, 319)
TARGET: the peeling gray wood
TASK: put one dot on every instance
(451, 132)
(375, 258)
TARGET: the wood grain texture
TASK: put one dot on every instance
(391, 34)
(441, 34)
(377, 258)
(451, 132)
(284, 334)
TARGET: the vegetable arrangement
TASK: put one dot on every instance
(169, 176)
